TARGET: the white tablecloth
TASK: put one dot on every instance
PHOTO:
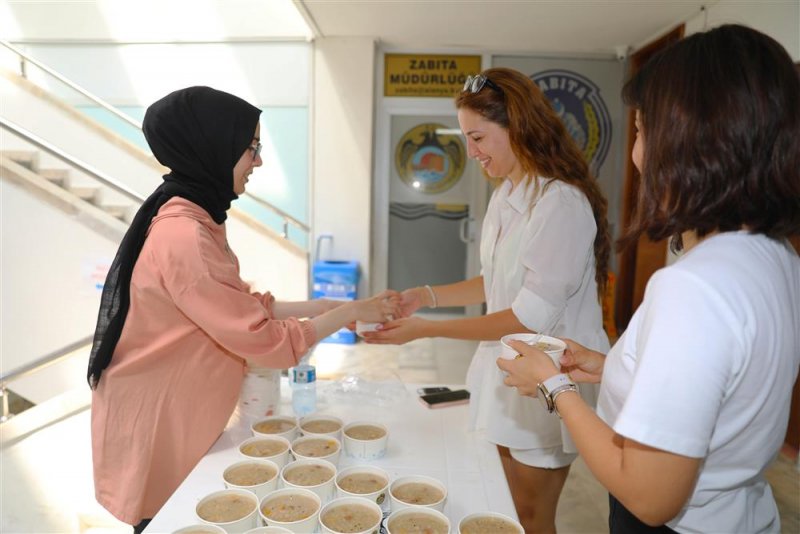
(422, 441)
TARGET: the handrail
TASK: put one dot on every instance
(36, 365)
(60, 154)
(97, 100)
(287, 219)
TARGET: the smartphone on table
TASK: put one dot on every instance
(429, 390)
(446, 398)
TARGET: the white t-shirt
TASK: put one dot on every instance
(534, 262)
(706, 369)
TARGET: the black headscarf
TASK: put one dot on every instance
(199, 133)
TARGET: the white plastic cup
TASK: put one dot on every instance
(494, 515)
(358, 501)
(260, 395)
(397, 504)
(258, 489)
(324, 419)
(309, 524)
(238, 525)
(415, 510)
(365, 449)
(379, 496)
(195, 529)
(324, 490)
(280, 459)
(290, 434)
(509, 353)
(332, 457)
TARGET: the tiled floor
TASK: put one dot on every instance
(583, 507)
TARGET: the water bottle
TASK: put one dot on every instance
(304, 389)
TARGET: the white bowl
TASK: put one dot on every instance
(290, 434)
(397, 504)
(238, 525)
(362, 326)
(280, 459)
(269, 530)
(365, 449)
(323, 419)
(493, 515)
(309, 524)
(379, 496)
(415, 510)
(259, 489)
(344, 501)
(332, 457)
(324, 490)
(558, 346)
(205, 529)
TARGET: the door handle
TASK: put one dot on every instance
(465, 233)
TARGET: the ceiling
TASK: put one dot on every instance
(545, 26)
(588, 27)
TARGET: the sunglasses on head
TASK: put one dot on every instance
(474, 84)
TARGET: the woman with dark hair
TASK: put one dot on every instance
(544, 257)
(177, 325)
(695, 395)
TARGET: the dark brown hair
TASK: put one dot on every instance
(720, 114)
(542, 145)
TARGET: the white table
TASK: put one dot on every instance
(422, 441)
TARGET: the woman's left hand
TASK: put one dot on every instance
(531, 368)
(397, 332)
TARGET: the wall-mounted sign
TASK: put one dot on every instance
(427, 161)
(431, 75)
(577, 101)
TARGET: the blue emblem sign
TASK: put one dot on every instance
(578, 102)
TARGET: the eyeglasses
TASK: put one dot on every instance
(256, 149)
(474, 84)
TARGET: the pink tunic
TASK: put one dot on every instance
(175, 376)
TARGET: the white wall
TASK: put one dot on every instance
(342, 147)
(48, 257)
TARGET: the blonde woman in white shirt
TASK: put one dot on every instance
(695, 395)
(544, 256)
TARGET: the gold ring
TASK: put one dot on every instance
(518, 356)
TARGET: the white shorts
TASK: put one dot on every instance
(549, 458)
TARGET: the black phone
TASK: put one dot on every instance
(428, 391)
(447, 398)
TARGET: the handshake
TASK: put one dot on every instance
(392, 310)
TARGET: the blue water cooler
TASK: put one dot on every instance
(337, 280)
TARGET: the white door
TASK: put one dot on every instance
(429, 204)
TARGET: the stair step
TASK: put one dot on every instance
(58, 177)
(89, 193)
(119, 211)
(26, 158)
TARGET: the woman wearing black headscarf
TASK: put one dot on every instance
(177, 324)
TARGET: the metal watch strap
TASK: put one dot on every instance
(554, 386)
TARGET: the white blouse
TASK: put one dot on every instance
(537, 261)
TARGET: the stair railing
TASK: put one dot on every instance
(24, 59)
(34, 366)
(63, 156)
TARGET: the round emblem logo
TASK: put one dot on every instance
(577, 101)
(429, 162)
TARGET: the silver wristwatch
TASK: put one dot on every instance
(552, 388)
